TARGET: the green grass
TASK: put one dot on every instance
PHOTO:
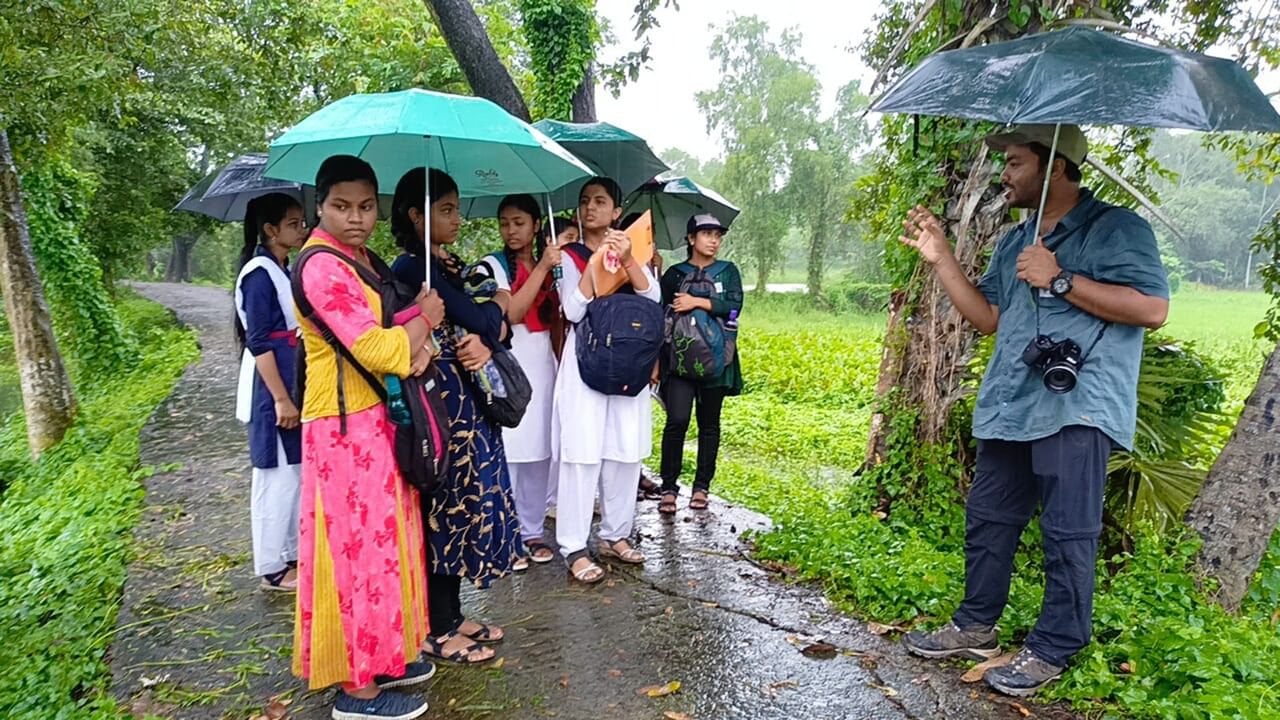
(791, 444)
(67, 522)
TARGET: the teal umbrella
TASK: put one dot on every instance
(673, 202)
(1085, 77)
(605, 148)
(484, 148)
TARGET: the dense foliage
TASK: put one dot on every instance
(1163, 650)
(67, 523)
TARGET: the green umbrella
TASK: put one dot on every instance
(605, 148)
(484, 148)
(1085, 77)
(673, 202)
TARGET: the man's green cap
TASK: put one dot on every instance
(1072, 144)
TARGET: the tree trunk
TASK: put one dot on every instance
(470, 44)
(179, 266)
(817, 256)
(927, 343)
(1238, 507)
(584, 99)
(927, 349)
(47, 396)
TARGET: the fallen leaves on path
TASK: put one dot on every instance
(672, 715)
(564, 681)
(882, 629)
(657, 691)
(820, 650)
(976, 672)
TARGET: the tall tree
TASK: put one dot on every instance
(563, 38)
(1237, 509)
(765, 110)
(47, 396)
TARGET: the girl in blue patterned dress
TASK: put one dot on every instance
(472, 528)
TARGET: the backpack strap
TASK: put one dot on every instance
(309, 313)
(580, 253)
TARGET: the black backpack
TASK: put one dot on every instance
(699, 346)
(422, 446)
(507, 409)
(619, 339)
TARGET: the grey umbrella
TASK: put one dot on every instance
(224, 193)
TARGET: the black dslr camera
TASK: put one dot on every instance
(1059, 361)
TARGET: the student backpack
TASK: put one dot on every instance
(421, 446)
(699, 346)
(619, 339)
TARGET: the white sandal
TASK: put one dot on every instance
(630, 555)
(589, 574)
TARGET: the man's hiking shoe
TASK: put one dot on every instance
(387, 706)
(1024, 675)
(950, 641)
(414, 673)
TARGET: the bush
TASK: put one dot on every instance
(66, 523)
(850, 295)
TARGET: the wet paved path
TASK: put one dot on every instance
(197, 639)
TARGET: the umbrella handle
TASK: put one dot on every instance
(556, 272)
(1044, 191)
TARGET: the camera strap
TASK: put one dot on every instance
(1085, 226)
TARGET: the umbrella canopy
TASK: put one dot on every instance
(605, 148)
(486, 150)
(1088, 77)
(224, 193)
(673, 202)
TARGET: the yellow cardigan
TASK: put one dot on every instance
(383, 351)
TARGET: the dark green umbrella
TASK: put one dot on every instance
(1086, 77)
(606, 149)
(672, 203)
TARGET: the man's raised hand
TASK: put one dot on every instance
(923, 231)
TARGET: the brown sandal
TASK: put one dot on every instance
(620, 550)
(667, 506)
(699, 500)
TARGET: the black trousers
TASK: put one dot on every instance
(679, 394)
(444, 603)
(1065, 475)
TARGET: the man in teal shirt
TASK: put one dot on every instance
(1087, 272)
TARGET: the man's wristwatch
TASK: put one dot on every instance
(1061, 284)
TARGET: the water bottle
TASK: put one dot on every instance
(487, 378)
(732, 323)
(396, 406)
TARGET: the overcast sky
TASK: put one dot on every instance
(660, 106)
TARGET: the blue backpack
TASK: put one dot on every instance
(699, 346)
(619, 339)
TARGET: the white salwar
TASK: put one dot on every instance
(273, 510)
(528, 445)
(276, 492)
(599, 440)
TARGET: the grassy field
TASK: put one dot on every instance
(792, 442)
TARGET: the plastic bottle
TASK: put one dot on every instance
(732, 323)
(396, 406)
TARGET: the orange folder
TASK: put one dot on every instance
(641, 234)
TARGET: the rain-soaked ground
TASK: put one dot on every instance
(197, 639)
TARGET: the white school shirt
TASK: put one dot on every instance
(530, 441)
(590, 427)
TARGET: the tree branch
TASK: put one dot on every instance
(470, 44)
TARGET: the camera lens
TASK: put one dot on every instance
(1060, 377)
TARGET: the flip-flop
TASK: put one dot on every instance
(435, 648)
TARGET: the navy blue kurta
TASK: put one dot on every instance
(472, 528)
(265, 320)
